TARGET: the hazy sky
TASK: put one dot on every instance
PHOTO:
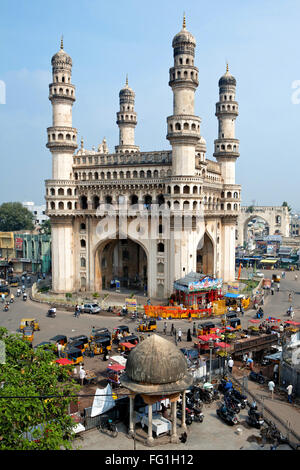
(106, 40)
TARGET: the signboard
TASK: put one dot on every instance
(233, 287)
(118, 285)
(205, 284)
(131, 305)
(19, 243)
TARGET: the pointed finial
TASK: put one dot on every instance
(62, 42)
(184, 22)
(82, 142)
(126, 80)
(227, 68)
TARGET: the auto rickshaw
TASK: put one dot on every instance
(73, 354)
(62, 339)
(275, 278)
(204, 328)
(119, 329)
(100, 333)
(113, 373)
(148, 326)
(80, 342)
(14, 282)
(99, 345)
(29, 322)
(235, 323)
(28, 334)
(228, 317)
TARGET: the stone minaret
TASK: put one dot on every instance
(62, 137)
(227, 146)
(62, 142)
(126, 120)
(183, 125)
(226, 153)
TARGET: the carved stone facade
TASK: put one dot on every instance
(102, 205)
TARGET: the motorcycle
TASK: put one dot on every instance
(225, 385)
(256, 377)
(6, 308)
(189, 416)
(51, 313)
(18, 293)
(232, 404)
(227, 415)
(239, 396)
(107, 426)
(254, 418)
(260, 313)
(24, 298)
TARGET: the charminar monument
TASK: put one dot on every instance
(143, 218)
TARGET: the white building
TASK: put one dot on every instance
(39, 212)
(92, 243)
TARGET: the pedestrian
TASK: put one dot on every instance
(165, 328)
(194, 329)
(278, 286)
(172, 329)
(188, 335)
(275, 372)
(250, 363)
(296, 277)
(179, 334)
(92, 349)
(271, 387)
(242, 311)
(272, 290)
(142, 337)
(82, 375)
(59, 349)
(245, 357)
(289, 389)
(190, 316)
(230, 364)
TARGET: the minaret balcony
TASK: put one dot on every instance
(62, 91)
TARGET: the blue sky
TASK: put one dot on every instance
(106, 40)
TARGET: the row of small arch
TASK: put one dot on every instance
(62, 91)
(186, 74)
(121, 175)
(186, 127)
(229, 107)
(61, 136)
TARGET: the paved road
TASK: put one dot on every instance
(208, 435)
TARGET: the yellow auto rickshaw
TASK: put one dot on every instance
(29, 322)
(100, 344)
(28, 334)
(148, 326)
(80, 342)
(204, 328)
(73, 354)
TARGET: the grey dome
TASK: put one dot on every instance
(156, 365)
(61, 58)
(227, 79)
(183, 37)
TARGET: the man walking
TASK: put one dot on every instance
(230, 364)
(289, 390)
(179, 334)
(165, 328)
(271, 387)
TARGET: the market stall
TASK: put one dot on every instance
(197, 290)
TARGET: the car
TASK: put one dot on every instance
(91, 308)
(259, 274)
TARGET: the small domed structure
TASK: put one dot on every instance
(183, 37)
(227, 79)
(61, 59)
(156, 366)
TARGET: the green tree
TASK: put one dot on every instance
(34, 373)
(250, 209)
(45, 227)
(14, 216)
(285, 204)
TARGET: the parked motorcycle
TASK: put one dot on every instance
(255, 418)
(25, 297)
(225, 385)
(6, 308)
(239, 396)
(189, 416)
(227, 415)
(256, 377)
(232, 403)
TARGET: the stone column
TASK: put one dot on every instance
(183, 424)
(131, 424)
(174, 437)
(150, 439)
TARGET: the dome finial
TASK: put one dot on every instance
(126, 80)
(184, 22)
(82, 142)
(227, 67)
(62, 42)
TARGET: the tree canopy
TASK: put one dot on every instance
(285, 204)
(29, 372)
(45, 227)
(14, 216)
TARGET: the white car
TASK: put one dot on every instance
(259, 274)
(91, 308)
